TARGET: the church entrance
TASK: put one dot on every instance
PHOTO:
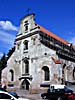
(25, 84)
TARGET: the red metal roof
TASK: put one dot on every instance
(56, 61)
(73, 46)
(53, 35)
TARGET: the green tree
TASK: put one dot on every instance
(3, 60)
(3, 63)
(10, 53)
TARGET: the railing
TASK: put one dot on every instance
(66, 56)
(63, 52)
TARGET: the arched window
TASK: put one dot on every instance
(46, 73)
(74, 72)
(26, 25)
(26, 65)
(12, 75)
(25, 44)
(63, 73)
(63, 68)
(18, 45)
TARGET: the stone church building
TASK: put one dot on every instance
(40, 58)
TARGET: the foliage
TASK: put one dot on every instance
(10, 53)
(3, 60)
(3, 63)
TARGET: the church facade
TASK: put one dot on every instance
(40, 58)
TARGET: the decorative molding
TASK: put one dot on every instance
(25, 36)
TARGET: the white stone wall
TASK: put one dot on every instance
(39, 55)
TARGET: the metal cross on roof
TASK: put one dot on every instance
(28, 11)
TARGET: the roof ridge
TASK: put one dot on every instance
(53, 35)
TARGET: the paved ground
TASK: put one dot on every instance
(26, 94)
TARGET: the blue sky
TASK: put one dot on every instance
(58, 16)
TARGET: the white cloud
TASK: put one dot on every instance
(72, 40)
(7, 38)
(1, 54)
(7, 25)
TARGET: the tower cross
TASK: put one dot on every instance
(28, 11)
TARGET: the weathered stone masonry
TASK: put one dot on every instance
(40, 57)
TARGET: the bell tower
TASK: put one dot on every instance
(27, 24)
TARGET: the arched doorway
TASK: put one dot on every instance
(46, 73)
(25, 84)
(12, 74)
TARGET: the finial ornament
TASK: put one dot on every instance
(28, 11)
